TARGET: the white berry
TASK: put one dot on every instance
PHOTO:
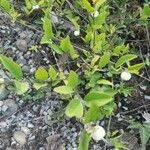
(125, 76)
(95, 14)
(98, 133)
(35, 7)
(76, 33)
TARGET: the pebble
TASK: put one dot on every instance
(25, 130)
(3, 124)
(21, 45)
(1, 103)
(12, 106)
(54, 17)
(20, 137)
(30, 125)
(4, 108)
(3, 92)
(26, 69)
(147, 97)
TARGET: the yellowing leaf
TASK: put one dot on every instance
(124, 59)
(104, 82)
(88, 6)
(72, 79)
(52, 73)
(11, 66)
(104, 60)
(135, 68)
(74, 109)
(41, 74)
(21, 87)
(37, 86)
(63, 90)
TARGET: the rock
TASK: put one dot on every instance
(3, 124)
(26, 69)
(1, 103)
(54, 18)
(21, 45)
(4, 108)
(20, 137)
(25, 130)
(3, 92)
(30, 125)
(147, 97)
(12, 106)
(21, 61)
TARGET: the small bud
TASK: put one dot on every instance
(35, 7)
(125, 76)
(95, 14)
(76, 33)
(98, 133)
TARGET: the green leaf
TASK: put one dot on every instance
(88, 6)
(135, 125)
(63, 90)
(41, 74)
(12, 67)
(6, 5)
(66, 46)
(99, 99)
(37, 86)
(94, 60)
(93, 114)
(48, 33)
(99, 3)
(120, 49)
(135, 68)
(104, 60)
(144, 136)
(73, 80)
(56, 48)
(146, 11)
(21, 87)
(104, 82)
(124, 59)
(52, 73)
(74, 109)
(84, 141)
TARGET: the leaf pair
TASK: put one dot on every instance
(42, 74)
(72, 83)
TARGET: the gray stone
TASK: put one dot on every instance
(1, 103)
(3, 124)
(26, 69)
(20, 137)
(12, 106)
(3, 92)
(21, 45)
(25, 130)
(147, 97)
(21, 61)
(30, 125)
(4, 108)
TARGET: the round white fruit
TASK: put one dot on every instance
(35, 7)
(125, 76)
(95, 14)
(98, 133)
(76, 33)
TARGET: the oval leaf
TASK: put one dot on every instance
(21, 87)
(74, 109)
(135, 68)
(104, 60)
(41, 74)
(12, 67)
(88, 6)
(124, 59)
(72, 79)
(63, 90)
(98, 99)
(104, 82)
(52, 73)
